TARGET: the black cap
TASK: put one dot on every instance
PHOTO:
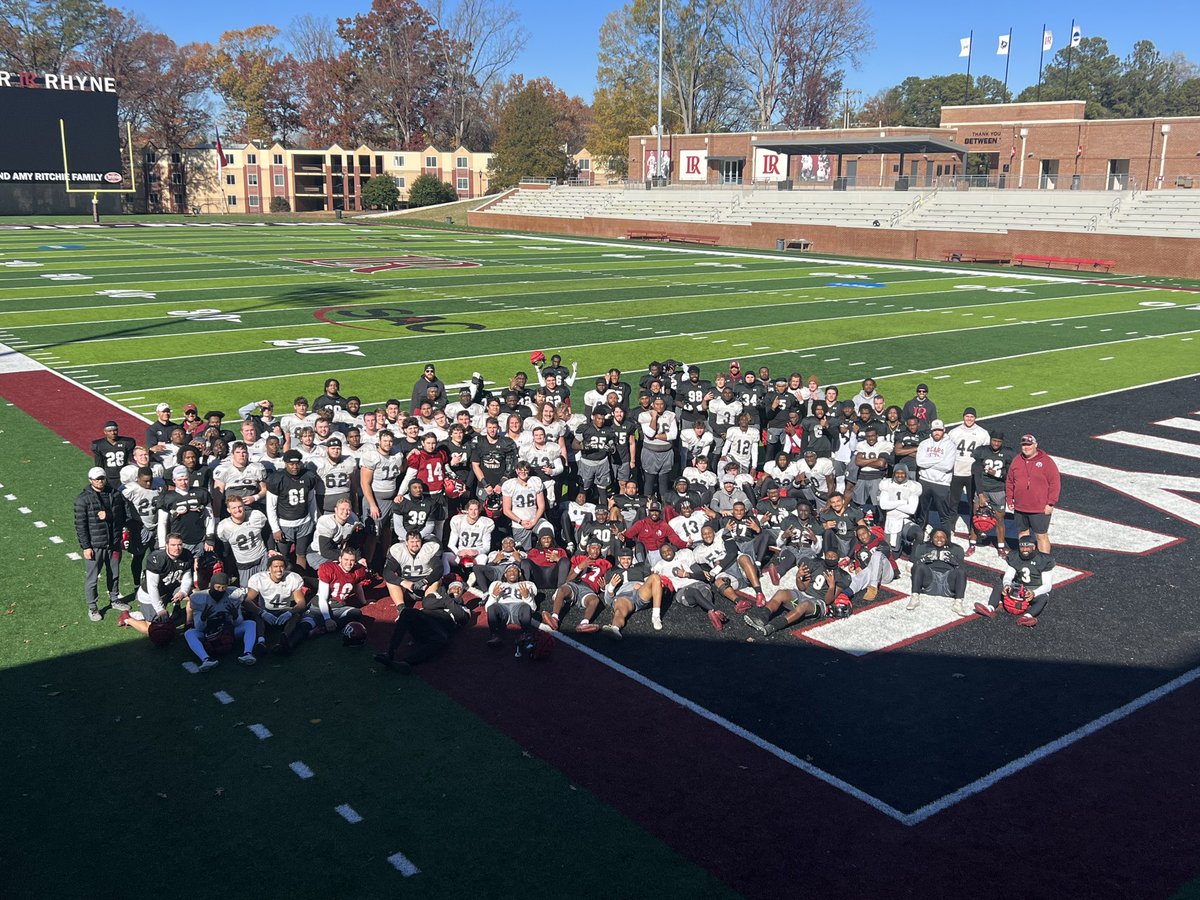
(922, 386)
(1027, 540)
(110, 424)
(219, 579)
(333, 442)
(969, 411)
(293, 456)
(996, 434)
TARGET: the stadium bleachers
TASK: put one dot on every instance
(1171, 213)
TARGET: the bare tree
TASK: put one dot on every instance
(757, 35)
(485, 39)
(821, 40)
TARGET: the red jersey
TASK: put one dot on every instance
(591, 571)
(549, 557)
(652, 535)
(430, 468)
(341, 583)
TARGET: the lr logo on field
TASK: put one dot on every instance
(368, 265)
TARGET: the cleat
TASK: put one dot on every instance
(550, 620)
(247, 659)
(913, 602)
(613, 632)
(742, 606)
(756, 624)
(957, 608)
(119, 605)
(587, 628)
(984, 610)
(1027, 620)
(207, 665)
(717, 618)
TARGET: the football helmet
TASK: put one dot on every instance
(354, 634)
(161, 633)
(842, 607)
(537, 357)
(454, 488)
(1017, 599)
(219, 643)
(984, 520)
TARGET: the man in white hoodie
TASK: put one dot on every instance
(900, 498)
(966, 437)
(935, 460)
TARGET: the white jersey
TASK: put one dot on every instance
(688, 527)
(724, 414)
(782, 476)
(276, 596)
(385, 471)
(523, 496)
(696, 444)
(242, 482)
(338, 477)
(246, 540)
(741, 445)
(899, 502)
(816, 474)
(292, 424)
(578, 513)
(547, 456)
(145, 501)
(684, 560)
(711, 556)
(468, 535)
(129, 474)
(965, 441)
(510, 592)
(708, 478)
(419, 564)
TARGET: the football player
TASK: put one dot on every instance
(141, 518)
(900, 499)
(470, 539)
(380, 471)
(187, 511)
(510, 601)
(659, 430)
(524, 504)
(339, 596)
(680, 574)
(412, 568)
(338, 475)
(939, 569)
(279, 597)
(1024, 588)
(292, 508)
(584, 585)
(244, 532)
(990, 471)
(967, 437)
(805, 592)
(595, 445)
(215, 615)
(335, 531)
(112, 452)
(428, 629)
(238, 477)
(631, 587)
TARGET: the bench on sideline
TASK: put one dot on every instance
(671, 237)
(958, 256)
(1063, 261)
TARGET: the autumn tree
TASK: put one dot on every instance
(332, 110)
(528, 142)
(43, 35)
(399, 68)
(257, 82)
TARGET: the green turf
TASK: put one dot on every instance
(125, 775)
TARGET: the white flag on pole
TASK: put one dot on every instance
(1076, 36)
(964, 46)
(1047, 40)
(1002, 48)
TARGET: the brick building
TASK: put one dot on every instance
(1027, 145)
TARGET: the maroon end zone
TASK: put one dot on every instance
(1110, 816)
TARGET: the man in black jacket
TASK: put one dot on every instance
(99, 521)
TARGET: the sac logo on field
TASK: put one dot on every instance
(368, 265)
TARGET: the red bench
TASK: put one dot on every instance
(676, 237)
(1062, 262)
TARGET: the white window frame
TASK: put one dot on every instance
(252, 200)
(252, 178)
(279, 181)
(431, 162)
(277, 159)
(231, 199)
(464, 184)
(252, 159)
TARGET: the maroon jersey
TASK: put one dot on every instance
(430, 468)
(341, 583)
(591, 571)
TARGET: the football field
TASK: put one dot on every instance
(225, 315)
(887, 754)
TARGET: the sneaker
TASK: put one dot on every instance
(970, 549)
(957, 608)
(656, 621)
(587, 628)
(742, 606)
(755, 623)
(94, 614)
(384, 659)
(913, 602)
(495, 641)
(870, 593)
(247, 659)
(613, 632)
(207, 664)
(984, 610)
(717, 618)
(1027, 620)
(119, 605)
(550, 620)
(123, 621)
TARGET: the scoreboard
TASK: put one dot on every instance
(32, 148)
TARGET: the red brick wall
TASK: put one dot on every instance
(1169, 256)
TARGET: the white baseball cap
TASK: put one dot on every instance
(163, 407)
(96, 472)
(937, 424)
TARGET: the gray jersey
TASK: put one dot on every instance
(338, 477)
(386, 472)
(246, 540)
(145, 501)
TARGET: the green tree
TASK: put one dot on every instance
(380, 191)
(42, 35)
(529, 139)
(280, 205)
(918, 101)
(1095, 71)
(426, 190)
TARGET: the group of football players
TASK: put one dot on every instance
(766, 496)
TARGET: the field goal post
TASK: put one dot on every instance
(96, 192)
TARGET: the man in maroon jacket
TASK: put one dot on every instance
(652, 532)
(1031, 492)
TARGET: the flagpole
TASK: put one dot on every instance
(1070, 51)
(970, 50)
(1007, 57)
(1041, 59)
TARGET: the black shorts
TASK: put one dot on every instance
(1038, 523)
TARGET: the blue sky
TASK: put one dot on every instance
(910, 39)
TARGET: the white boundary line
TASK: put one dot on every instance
(403, 865)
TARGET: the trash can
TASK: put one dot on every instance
(780, 244)
(902, 183)
(1074, 182)
(449, 220)
(337, 213)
